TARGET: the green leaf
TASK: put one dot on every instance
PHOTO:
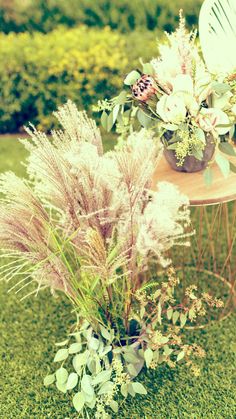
(232, 167)
(139, 388)
(104, 120)
(131, 78)
(105, 333)
(148, 356)
(148, 69)
(175, 317)
(61, 355)
(86, 384)
(78, 401)
(180, 356)
(61, 375)
(144, 119)
(93, 344)
(169, 313)
(183, 319)
(221, 88)
(110, 122)
(61, 387)
(223, 164)
(80, 360)
(49, 379)
(130, 357)
(124, 390)
(115, 113)
(227, 148)
(121, 99)
(132, 370)
(208, 176)
(72, 381)
(114, 406)
(62, 343)
(106, 388)
(167, 350)
(102, 377)
(74, 348)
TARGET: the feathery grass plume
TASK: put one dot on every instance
(87, 223)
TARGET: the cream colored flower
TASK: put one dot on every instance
(171, 108)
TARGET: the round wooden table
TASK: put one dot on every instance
(213, 214)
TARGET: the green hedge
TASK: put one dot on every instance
(40, 72)
(124, 15)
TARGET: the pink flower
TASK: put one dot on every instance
(207, 120)
(213, 119)
(144, 88)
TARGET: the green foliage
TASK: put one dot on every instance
(212, 395)
(39, 72)
(124, 15)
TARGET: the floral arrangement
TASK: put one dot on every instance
(189, 108)
(87, 224)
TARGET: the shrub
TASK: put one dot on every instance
(39, 72)
(125, 15)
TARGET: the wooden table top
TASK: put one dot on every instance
(193, 184)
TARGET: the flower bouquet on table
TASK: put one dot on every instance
(189, 108)
(87, 224)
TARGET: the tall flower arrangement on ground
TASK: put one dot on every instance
(175, 95)
(87, 224)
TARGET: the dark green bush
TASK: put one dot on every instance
(124, 15)
(39, 72)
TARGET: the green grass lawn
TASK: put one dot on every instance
(30, 328)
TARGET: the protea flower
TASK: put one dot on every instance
(144, 88)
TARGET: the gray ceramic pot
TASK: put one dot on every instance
(191, 164)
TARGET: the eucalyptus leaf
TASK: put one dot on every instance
(132, 370)
(106, 388)
(61, 375)
(227, 148)
(61, 355)
(72, 381)
(121, 99)
(208, 176)
(104, 118)
(148, 356)
(131, 78)
(105, 333)
(93, 343)
(102, 377)
(232, 167)
(86, 384)
(115, 113)
(63, 343)
(75, 347)
(78, 401)
(144, 119)
(223, 164)
(139, 388)
(110, 122)
(124, 390)
(114, 406)
(61, 387)
(49, 379)
(80, 359)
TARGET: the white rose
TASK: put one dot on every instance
(171, 109)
